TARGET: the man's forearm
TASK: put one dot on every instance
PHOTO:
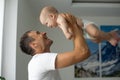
(80, 46)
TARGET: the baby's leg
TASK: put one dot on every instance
(94, 32)
(99, 36)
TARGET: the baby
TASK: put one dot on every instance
(52, 18)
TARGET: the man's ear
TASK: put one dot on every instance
(36, 47)
(33, 45)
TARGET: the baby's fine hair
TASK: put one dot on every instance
(50, 9)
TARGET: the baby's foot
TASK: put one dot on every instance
(115, 37)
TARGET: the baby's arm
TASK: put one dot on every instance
(67, 30)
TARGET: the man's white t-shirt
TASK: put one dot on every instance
(42, 67)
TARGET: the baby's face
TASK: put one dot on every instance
(49, 21)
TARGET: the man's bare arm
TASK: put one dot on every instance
(78, 54)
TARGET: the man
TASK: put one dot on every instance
(44, 64)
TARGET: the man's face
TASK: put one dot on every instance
(41, 40)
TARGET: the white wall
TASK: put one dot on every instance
(2, 2)
(26, 21)
(9, 40)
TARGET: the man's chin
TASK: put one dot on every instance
(50, 42)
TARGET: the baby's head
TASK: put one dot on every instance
(48, 16)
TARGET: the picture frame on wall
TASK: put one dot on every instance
(104, 60)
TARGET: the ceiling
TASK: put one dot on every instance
(78, 9)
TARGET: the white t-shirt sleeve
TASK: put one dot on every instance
(50, 61)
(45, 61)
